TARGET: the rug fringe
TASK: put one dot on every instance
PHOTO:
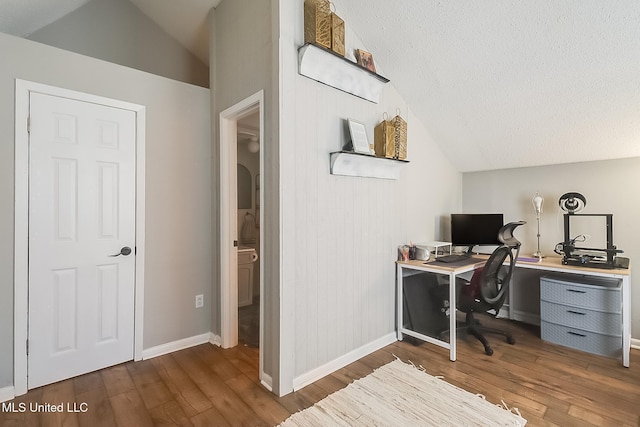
(419, 368)
(513, 410)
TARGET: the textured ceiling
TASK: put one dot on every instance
(503, 83)
(497, 83)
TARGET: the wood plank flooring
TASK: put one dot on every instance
(209, 386)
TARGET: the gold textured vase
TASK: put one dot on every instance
(317, 23)
(401, 137)
(337, 34)
(384, 139)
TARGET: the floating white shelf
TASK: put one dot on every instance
(336, 71)
(350, 163)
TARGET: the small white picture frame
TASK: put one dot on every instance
(359, 139)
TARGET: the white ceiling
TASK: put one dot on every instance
(497, 83)
(503, 83)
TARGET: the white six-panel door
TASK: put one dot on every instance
(81, 214)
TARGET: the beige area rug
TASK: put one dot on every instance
(399, 394)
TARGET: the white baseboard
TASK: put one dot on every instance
(635, 343)
(170, 347)
(342, 361)
(215, 339)
(523, 316)
(7, 393)
(267, 382)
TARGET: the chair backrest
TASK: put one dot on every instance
(496, 277)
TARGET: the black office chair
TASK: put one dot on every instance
(487, 290)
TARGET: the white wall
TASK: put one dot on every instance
(178, 191)
(609, 187)
(340, 234)
(118, 32)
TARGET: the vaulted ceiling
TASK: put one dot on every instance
(184, 20)
(503, 83)
(498, 83)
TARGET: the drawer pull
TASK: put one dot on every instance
(576, 291)
(576, 312)
(576, 334)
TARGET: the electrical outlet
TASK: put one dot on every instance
(199, 301)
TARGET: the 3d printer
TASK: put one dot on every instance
(596, 229)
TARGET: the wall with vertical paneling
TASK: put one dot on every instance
(339, 234)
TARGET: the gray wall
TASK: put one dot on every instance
(244, 62)
(178, 187)
(117, 31)
(609, 187)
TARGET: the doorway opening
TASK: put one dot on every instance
(241, 234)
(248, 214)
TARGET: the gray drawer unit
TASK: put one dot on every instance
(584, 313)
(591, 293)
(602, 344)
(576, 317)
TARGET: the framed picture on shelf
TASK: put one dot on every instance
(359, 139)
(365, 59)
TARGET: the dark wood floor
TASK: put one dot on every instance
(208, 386)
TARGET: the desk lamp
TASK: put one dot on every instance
(537, 205)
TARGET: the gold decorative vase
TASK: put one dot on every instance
(384, 138)
(317, 23)
(400, 136)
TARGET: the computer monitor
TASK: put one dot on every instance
(475, 229)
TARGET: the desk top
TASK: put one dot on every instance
(555, 264)
(547, 264)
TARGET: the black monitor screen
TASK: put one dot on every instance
(475, 229)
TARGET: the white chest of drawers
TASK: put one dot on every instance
(584, 313)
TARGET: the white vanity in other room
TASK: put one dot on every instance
(246, 257)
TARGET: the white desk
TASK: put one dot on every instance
(553, 264)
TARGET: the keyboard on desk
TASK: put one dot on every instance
(452, 258)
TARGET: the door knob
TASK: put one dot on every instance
(124, 251)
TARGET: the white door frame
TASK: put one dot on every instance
(228, 213)
(21, 219)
